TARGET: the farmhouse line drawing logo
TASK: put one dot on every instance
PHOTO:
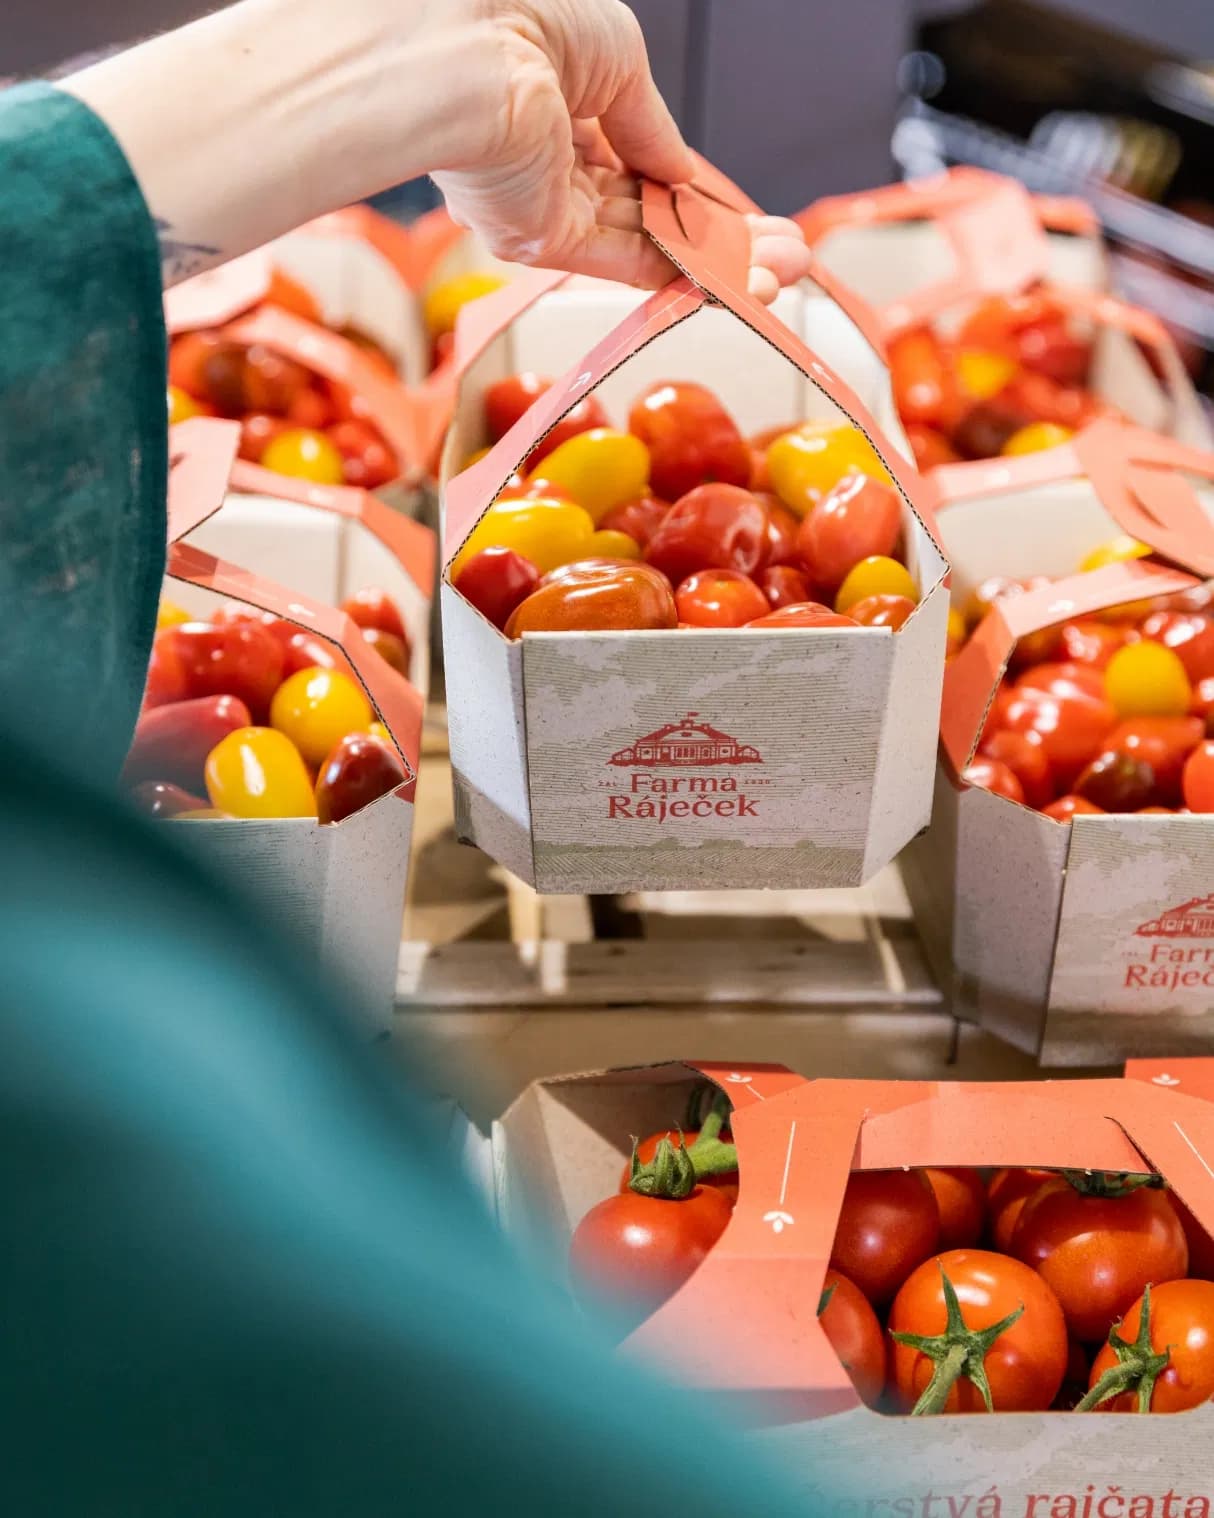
(1192, 919)
(686, 743)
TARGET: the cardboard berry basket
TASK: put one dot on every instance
(340, 886)
(1083, 941)
(744, 1327)
(668, 760)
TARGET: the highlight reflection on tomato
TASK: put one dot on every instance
(597, 595)
(888, 1224)
(857, 519)
(719, 598)
(692, 439)
(712, 527)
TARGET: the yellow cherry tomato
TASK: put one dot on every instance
(547, 531)
(875, 576)
(807, 462)
(599, 469)
(1036, 438)
(304, 455)
(982, 373)
(170, 615)
(258, 772)
(1147, 679)
(957, 631)
(442, 304)
(316, 708)
(606, 544)
(1117, 551)
(181, 406)
(475, 457)
(378, 730)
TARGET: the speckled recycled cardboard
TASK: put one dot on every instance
(745, 1325)
(340, 888)
(660, 761)
(1092, 940)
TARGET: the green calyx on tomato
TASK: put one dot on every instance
(958, 1351)
(673, 1173)
(1137, 1369)
(1110, 1184)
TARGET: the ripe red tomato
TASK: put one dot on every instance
(1162, 742)
(1025, 757)
(648, 1148)
(1049, 347)
(783, 586)
(882, 611)
(495, 581)
(1203, 704)
(692, 440)
(596, 595)
(1069, 806)
(888, 1224)
(1006, 1194)
(631, 1253)
(1098, 1252)
(719, 598)
(997, 711)
(854, 1331)
(855, 520)
(367, 461)
(507, 399)
(930, 447)
(1198, 778)
(1190, 636)
(805, 614)
(584, 417)
(922, 381)
(271, 382)
(1072, 727)
(172, 742)
(304, 650)
(640, 519)
(391, 649)
(241, 659)
(782, 529)
(1064, 679)
(711, 527)
(375, 608)
(995, 776)
(1090, 642)
(1025, 1363)
(257, 431)
(359, 770)
(961, 1202)
(1181, 1325)
(1201, 1245)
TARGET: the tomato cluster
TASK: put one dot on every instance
(293, 420)
(1109, 713)
(948, 1290)
(681, 521)
(249, 716)
(1012, 380)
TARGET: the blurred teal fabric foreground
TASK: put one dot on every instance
(238, 1275)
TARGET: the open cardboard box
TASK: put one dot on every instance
(1092, 940)
(339, 887)
(675, 760)
(744, 1327)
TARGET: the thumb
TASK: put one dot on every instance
(639, 126)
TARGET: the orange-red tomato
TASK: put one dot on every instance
(584, 417)
(391, 649)
(888, 1224)
(930, 447)
(858, 519)
(719, 598)
(508, 399)
(782, 529)
(640, 519)
(692, 439)
(495, 581)
(367, 461)
(1025, 1363)
(1198, 778)
(1181, 1326)
(1072, 727)
(1090, 642)
(1070, 806)
(783, 586)
(1025, 757)
(648, 1148)
(172, 742)
(241, 659)
(1063, 678)
(711, 527)
(961, 1202)
(1190, 636)
(630, 1253)
(1201, 1245)
(922, 381)
(257, 431)
(359, 770)
(373, 607)
(1006, 1194)
(1098, 1252)
(272, 382)
(808, 614)
(854, 1331)
(995, 776)
(881, 611)
(596, 595)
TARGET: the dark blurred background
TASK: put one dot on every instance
(1113, 99)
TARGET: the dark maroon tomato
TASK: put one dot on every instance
(360, 770)
(1117, 783)
(784, 586)
(985, 428)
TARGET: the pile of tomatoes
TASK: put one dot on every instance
(681, 521)
(1108, 713)
(249, 716)
(949, 1290)
(1012, 380)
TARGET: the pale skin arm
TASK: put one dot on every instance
(532, 116)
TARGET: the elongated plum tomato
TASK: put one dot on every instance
(1026, 759)
(854, 1331)
(392, 650)
(719, 598)
(507, 399)
(1006, 1193)
(856, 519)
(711, 527)
(803, 614)
(359, 770)
(640, 518)
(1198, 778)
(961, 1202)
(241, 659)
(547, 531)
(809, 461)
(994, 776)
(1025, 1363)
(922, 381)
(1098, 1252)
(783, 586)
(630, 1253)
(258, 772)
(888, 1224)
(172, 742)
(586, 415)
(1180, 1326)
(373, 607)
(1071, 728)
(882, 611)
(599, 469)
(726, 1182)
(495, 581)
(596, 595)
(692, 439)
(876, 575)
